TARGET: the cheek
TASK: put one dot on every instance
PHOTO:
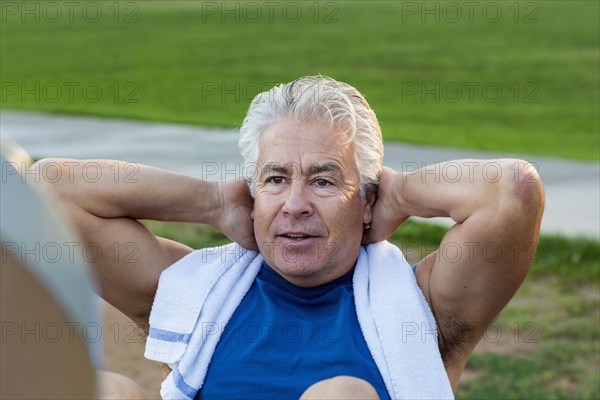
(347, 221)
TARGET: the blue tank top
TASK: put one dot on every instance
(283, 338)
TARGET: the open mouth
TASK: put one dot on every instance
(296, 237)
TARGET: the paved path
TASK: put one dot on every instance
(572, 188)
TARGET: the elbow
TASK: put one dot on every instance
(526, 187)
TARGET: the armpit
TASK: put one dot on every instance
(455, 337)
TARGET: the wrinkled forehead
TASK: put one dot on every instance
(307, 147)
(289, 137)
(288, 130)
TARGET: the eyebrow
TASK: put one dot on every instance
(271, 168)
(315, 169)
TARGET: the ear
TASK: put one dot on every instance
(252, 198)
(370, 199)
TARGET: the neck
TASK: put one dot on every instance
(310, 280)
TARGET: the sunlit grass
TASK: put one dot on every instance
(182, 63)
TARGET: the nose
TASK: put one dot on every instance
(297, 204)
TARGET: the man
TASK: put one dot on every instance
(319, 203)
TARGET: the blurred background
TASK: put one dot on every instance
(509, 77)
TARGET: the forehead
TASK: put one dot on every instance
(286, 141)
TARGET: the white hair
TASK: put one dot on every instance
(318, 99)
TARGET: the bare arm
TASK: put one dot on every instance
(482, 260)
(105, 198)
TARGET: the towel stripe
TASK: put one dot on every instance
(168, 336)
(182, 385)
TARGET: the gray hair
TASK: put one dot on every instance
(318, 99)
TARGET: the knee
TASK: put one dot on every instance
(114, 386)
(341, 387)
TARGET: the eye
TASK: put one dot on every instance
(277, 180)
(322, 182)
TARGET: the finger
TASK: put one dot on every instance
(249, 243)
(250, 246)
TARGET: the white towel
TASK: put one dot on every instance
(197, 296)
(398, 325)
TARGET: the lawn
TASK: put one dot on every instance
(544, 345)
(517, 77)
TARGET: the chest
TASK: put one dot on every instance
(277, 344)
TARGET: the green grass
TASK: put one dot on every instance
(177, 64)
(575, 261)
(563, 361)
(550, 330)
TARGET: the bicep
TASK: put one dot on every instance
(476, 270)
(483, 259)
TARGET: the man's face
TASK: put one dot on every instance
(308, 215)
